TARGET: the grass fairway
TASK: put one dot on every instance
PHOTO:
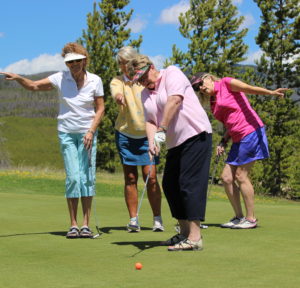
(35, 253)
(31, 141)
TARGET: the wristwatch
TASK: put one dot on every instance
(164, 128)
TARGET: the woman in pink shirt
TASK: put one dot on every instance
(174, 114)
(230, 105)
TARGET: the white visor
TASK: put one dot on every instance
(73, 56)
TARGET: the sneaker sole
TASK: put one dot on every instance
(244, 227)
(236, 227)
(191, 249)
(158, 230)
(133, 229)
(228, 227)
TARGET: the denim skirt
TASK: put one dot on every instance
(133, 151)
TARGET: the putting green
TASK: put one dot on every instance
(35, 253)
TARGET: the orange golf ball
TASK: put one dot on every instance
(138, 266)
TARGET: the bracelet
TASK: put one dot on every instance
(90, 131)
(164, 128)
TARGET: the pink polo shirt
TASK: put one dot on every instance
(234, 111)
(190, 120)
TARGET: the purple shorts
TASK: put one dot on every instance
(252, 147)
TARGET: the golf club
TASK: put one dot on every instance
(145, 187)
(94, 198)
(213, 173)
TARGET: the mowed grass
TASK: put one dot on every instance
(31, 141)
(35, 253)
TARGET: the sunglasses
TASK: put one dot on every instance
(74, 61)
(196, 86)
(144, 76)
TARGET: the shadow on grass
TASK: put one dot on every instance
(56, 233)
(107, 230)
(212, 224)
(141, 245)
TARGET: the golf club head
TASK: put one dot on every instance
(98, 230)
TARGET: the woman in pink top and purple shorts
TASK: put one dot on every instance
(230, 105)
(174, 114)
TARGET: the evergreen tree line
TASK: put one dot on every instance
(216, 45)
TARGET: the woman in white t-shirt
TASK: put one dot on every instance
(81, 108)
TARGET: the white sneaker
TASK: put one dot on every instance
(133, 226)
(157, 224)
(232, 222)
(246, 224)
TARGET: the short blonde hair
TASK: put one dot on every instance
(73, 47)
(140, 61)
(126, 54)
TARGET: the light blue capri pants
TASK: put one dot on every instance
(79, 166)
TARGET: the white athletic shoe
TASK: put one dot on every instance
(133, 226)
(157, 224)
(246, 224)
(232, 222)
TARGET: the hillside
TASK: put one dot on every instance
(29, 142)
(16, 101)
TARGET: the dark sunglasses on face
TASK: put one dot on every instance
(72, 61)
(197, 85)
(144, 76)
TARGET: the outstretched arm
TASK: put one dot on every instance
(39, 85)
(239, 86)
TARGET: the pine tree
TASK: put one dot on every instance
(215, 38)
(106, 33)
(278, 38)
(215, 44)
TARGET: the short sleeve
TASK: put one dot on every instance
(176, 82)
(99, 88)
(55, 79)
(227, 81)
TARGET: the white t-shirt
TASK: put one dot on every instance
(76, 107)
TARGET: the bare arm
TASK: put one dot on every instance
(239, 86)
(150, 131)
(223, 143)
(171, 108)
(39, 85)
(88, 138)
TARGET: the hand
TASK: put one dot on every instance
(120, 100)
(88, 140)
(10, 76)
(279, 92)
(159, 138)
(220, 149)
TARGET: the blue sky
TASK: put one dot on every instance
(32, 32)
